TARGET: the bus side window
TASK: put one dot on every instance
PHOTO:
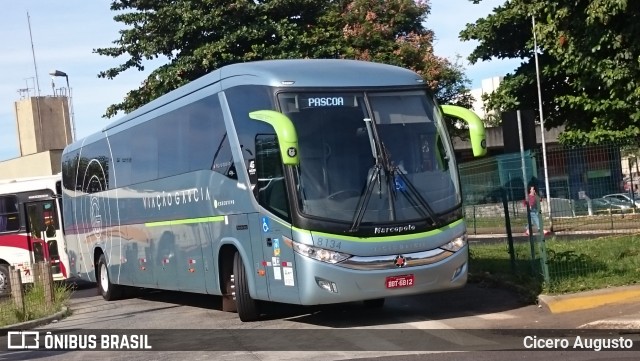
(9, 220)
(443, 160)
(48, 215)
(270, 189)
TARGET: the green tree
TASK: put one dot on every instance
(590, 74)
(198, 36)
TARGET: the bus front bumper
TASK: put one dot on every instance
(324, 283)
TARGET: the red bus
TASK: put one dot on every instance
(31, 228)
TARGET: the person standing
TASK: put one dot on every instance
(533, 200)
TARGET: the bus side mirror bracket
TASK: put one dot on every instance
(286, 132)
(476, 128)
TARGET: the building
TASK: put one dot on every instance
(488, 86)
(592, 171)
(44, 129)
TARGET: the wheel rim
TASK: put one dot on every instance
(104, 278)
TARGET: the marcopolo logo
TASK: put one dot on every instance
(398, 229)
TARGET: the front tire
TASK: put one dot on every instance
(106, 288)
(247, 307)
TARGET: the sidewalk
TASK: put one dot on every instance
(624, 299)
(590, 299)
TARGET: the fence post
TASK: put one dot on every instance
(16, 288)
(49, 295)
(611, 217)
(474, 220)
(507, 220)
(542, 247)
(37, 273)
(44, 279)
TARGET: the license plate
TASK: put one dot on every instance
(400, 281)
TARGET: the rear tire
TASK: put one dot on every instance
(108, 290)
(247, 307)
(5, 285)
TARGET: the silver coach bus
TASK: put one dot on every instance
(296, 181)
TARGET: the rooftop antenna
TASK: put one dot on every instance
(25, 93)
(22, 93)
(35, 66)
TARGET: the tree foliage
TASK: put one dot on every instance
(198, 36)
(589, 63)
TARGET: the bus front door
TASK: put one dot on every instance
(43, 232)
(270, 191)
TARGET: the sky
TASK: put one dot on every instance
(65, 33)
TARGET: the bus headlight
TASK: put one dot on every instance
(455, 244)
(320, 254)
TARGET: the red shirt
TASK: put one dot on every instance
(532, 201)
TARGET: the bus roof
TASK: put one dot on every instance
(295, 72)
(18, 185)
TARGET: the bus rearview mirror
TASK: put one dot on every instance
(286, 132)
(476, 127)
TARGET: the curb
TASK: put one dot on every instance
(590, 299)
(39, 322)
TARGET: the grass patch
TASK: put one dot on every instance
(491, 265)
(34, 304)
(574, 265)
(593, 264)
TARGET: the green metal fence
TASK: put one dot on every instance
(591, 195)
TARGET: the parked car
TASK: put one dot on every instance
(624, 197)
(601, 205)
(612, 204)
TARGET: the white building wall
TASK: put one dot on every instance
(488, 86)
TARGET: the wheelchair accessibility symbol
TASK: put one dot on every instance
(265, 224)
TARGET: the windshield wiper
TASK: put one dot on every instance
(414, 197)
(392, 172)
(363, 201)
(408, 190)
(375, 171)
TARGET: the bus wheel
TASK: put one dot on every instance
(108, 290)
(5, 288)
(375, 303)
(247, 307)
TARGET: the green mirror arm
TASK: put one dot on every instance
(286, 132)
(476, 127)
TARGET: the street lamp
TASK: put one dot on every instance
(544, 143)
(59, 73)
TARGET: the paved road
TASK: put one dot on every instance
(422, 326)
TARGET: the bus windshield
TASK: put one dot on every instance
(371, 157)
